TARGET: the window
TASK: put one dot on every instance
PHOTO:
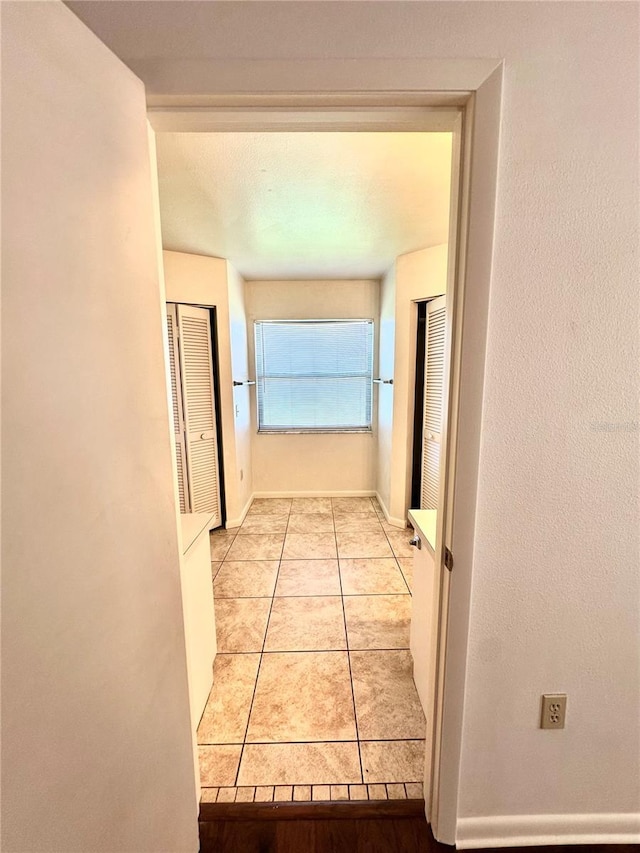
(314, 375)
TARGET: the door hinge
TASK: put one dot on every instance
(448, 559)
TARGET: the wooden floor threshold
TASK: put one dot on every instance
(335, 810)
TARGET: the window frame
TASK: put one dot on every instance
(320, 430)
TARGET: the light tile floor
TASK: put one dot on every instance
(313, 695)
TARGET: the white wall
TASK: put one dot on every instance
(200, 280)
(95, 712)
(241, 393)
(386, 369)
(418, 276)
(311, 464)
(555, 579)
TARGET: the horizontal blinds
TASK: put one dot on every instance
(314, 374)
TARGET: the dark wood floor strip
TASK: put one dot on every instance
(390, 835)
(341, 810)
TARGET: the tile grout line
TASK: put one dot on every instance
(264, 640)
(395, 557)
(263, 651)
(346, 635)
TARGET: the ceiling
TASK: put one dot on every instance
(304, 205)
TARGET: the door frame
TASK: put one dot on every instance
(472, 113)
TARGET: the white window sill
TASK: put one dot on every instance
(328, 431)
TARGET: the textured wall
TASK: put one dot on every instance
(95, 709)
(386, 362)
(555, 595)
(312, 463)
(198, 280)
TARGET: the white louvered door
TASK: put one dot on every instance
(201, 445)
(433, 394)
(176, 400)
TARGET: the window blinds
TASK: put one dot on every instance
(314, 374)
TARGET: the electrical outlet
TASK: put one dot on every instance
(554, 710)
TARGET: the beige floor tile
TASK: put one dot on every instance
(378, 621)
(377, 792)
(406, 567)
(270, 506)
(362, 543)
(220, 544)
(310, 522)
(387, 703)
(311, 505)
(218, 765)
(268, 523)
(302, 793)
(226, 795)
(264, 794)
(400, 542)
(306, 624)
(358, 792)
(309, 546)
(208, 795)
(339, 792)
(353, 504)
(241, 623)
(226, 713)
(392, 760)
(263, 546)
(414, 790)
(215, 568)
(245, 795)
(300, 764)
(356, 521)
(395, 791)
(283, 793)
(386, 525)
(308, 577)
(321, 792)
(246, 579)
(302, 696)
(371, 577)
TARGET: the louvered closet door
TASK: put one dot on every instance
(176, 400)
(433, 402)
(199, 410)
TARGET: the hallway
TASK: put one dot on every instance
(313, 696)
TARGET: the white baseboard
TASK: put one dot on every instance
(236, 522)
(397, 522)
(542, 830)
(349, 493)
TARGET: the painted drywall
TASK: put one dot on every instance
(95, 708)
(386, 367)
(555, 545)
(303, 463)
(200, 280)
(302, 204)
(241, 393)
(419, 275)
(415, 277)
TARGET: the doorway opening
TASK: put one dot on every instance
(452, 121)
